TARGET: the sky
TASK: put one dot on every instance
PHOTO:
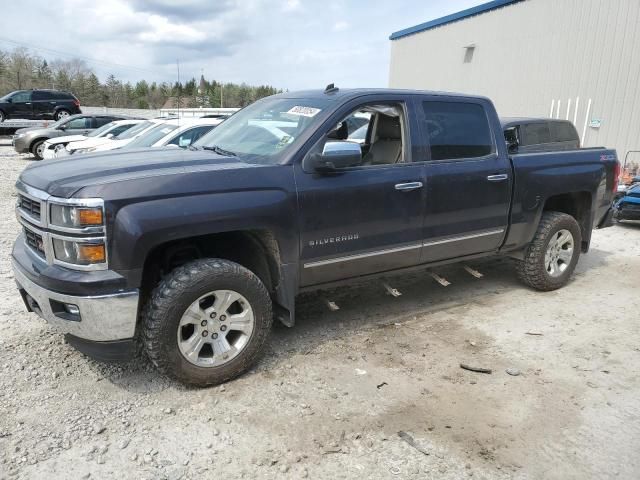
(289, 44)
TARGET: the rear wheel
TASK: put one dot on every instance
(60, 114)
(207, 322)
(553, 254)
(37, 149)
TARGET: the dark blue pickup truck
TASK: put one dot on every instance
(196, 252)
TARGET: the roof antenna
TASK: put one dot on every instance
(331, 88)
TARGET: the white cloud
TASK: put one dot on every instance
(163, 31)
(340, 26)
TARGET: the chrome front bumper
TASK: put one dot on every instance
(100, 318)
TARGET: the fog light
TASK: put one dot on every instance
(72, 309)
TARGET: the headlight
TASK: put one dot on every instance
(18, 135)
(79, 253)
(75, 217)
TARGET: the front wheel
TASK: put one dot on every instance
(553, 254)
(37, 149)
(207, 322)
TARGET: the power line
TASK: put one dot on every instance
(74, 55)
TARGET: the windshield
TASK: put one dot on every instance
(266, 129)
(133, 131)
(150, 137)
(98, 132)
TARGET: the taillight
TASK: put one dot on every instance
(616, 176)
(76, 102)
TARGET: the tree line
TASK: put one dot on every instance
(21, 69)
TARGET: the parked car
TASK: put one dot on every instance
(38, 104)
(32, 139)
(628, 207)
(528, 135)
(177, 132)
(91, 145)
(109, 130)
(195, 251)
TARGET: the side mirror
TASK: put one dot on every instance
(9, 100)
(109, 135)
(336, 156)
(62, 127)
(512, 147)
(184, 142)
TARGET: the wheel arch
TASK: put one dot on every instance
(258, 250)
(577, 204)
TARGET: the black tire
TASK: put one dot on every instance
(59, 114)
(176, 292)
(532, 270)
(35, 149)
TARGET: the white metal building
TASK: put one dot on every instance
(571, 59)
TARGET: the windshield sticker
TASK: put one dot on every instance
(304, 111)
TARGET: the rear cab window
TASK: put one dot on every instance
(457, 130)
(535, 133)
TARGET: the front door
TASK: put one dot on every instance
(368, 218)
(21, 106)
(468, 181)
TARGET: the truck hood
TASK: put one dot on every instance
(64, 177)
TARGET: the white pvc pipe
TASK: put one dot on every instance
(558, 110)
(575, 113)
(568, 108)
(553, 102)
(586, 119)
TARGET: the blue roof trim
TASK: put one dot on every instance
(454, 17)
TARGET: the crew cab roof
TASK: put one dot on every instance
(350, 93)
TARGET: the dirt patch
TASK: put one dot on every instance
(330, 396)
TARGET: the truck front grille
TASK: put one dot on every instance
(34, 241)
(29, 206)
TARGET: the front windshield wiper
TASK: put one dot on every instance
(220, 151)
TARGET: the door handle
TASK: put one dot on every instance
(409, 186)
(498, 178)
(27, 103)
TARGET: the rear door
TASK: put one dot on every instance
(468, 178)
(43, 103)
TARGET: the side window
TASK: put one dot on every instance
(40, 95)
(378, 129)
(21, 97)
(100, 121)
(535, 133)
(564, 132)
(78, 123)
(119, 129)
(457, 130)
(188, 137)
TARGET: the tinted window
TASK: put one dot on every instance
(39, 95)
(121, 128)
(535, 133)
(100, 121)
(135, 130)
(21, 97)
(62, 96)
(457, 130)
(563, 132)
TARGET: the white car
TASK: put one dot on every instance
(100, 144)
(175, 132)
(109, 130)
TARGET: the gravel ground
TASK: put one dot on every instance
(331, 395)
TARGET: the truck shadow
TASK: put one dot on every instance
(363, 306)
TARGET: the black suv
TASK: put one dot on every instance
(38, 104)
